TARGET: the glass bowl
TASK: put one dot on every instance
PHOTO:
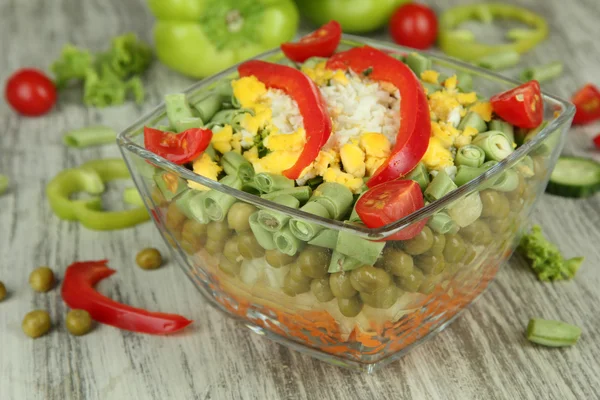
(421, 284)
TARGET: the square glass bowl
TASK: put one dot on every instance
(419, 286)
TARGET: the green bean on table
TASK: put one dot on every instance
(90, 136)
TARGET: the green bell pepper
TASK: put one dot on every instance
(355, 16)
(461, 43)
(202, 37)
(90, 178)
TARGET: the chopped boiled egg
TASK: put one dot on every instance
(375, 144)
(450, 83)
(221, 139)
(248, 90)
(437, 155)
(430, 76)
(466, 98)
(276, 162)
(444, 105)
(353, 160)
(290, 141)
(206, 167)
(445, 133)
(334, 174)
(484, 109)
(372, 163)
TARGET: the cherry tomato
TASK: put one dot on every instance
(521, 106)
(414, 25)
(597, 141)
(587, 104)
(389, 202)
(320, 43)
(177, 148)
(30, 92)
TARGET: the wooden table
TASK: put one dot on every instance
(483, 355)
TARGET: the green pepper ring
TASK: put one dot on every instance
(462, 44)
(90, 178)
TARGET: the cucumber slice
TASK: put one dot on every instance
(574, 177)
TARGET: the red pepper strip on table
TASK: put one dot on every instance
(521, 106)
(78, 293)
(320, 43)
(313, 108)
(587, 104)
(413, 135)
(178, 148)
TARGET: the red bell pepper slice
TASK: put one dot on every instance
(320, 43)
(413, 135)
(587, 104)
(178, 148)
(78, 292)
(521, 106)
(597, 141)
(313, 108)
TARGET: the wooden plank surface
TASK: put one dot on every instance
(483, 355)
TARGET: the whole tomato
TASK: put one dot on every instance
(414, 25)
(30, 92)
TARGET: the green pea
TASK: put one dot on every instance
(248, 246)
(321, 289)
(293, 286)
(214, 247)
(350, 307)
(229, 267)
(451, 269)
(428, 284)
(2, 291)
(297, 274)
(431, 265)
(193, 231)
(149, 258)
(470, 255)
(238, 217)
(382, 298)
(420, 243)
(477, 233)
(36, 323)
(174, 217)
(539, 167)
(455, 248)
(439, 242)
(218, 230)
(519, 190)
(41, 279)
(78, 322)
(494, 204)
(499, 225)
(231, 252)
(369, 279)
(341, 286)
(277, 259)
(314, 261)
(158, 198)
(411, 282)
(396, 262)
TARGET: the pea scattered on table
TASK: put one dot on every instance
(41, 279)
(149, 258)
(36, 323)
(79, 322)
(2, 291)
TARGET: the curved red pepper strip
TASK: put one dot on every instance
(313, 108)
(78, 293)
(412, 133)
(179, 148)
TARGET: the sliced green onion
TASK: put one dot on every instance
(4, 181)
(335, 197)
(90, 136)
(184, 202)
(466, 210)
(133, 197)
(542, 73)
(465, 82)
(305, 230)
(552, 333)
(217, 203)
(440, 186)
(274, 221)
(235, 164)
(473, 120)
(189, 123)
(263, 237)
(326, 238)
(302, 193)
(177, 108)
(497, 61)
(358, 248)
(209, 106)
(495, 144)
(504, 127)
(267, 183)
(509, 182)
(465, 174)
(470, 155)
(418, 63)
(286, 242)
(441, 223)
(420, 175)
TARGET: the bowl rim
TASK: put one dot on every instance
(124, 141)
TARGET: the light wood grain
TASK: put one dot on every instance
(483, 355)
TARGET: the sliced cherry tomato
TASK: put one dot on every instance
(413, 135)
(414, 25)
(587, 104)
(320, 43)
(178, 148)
(597, 141)
(389, 202)
(521, 106)
(311, 103)
(30, 92)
